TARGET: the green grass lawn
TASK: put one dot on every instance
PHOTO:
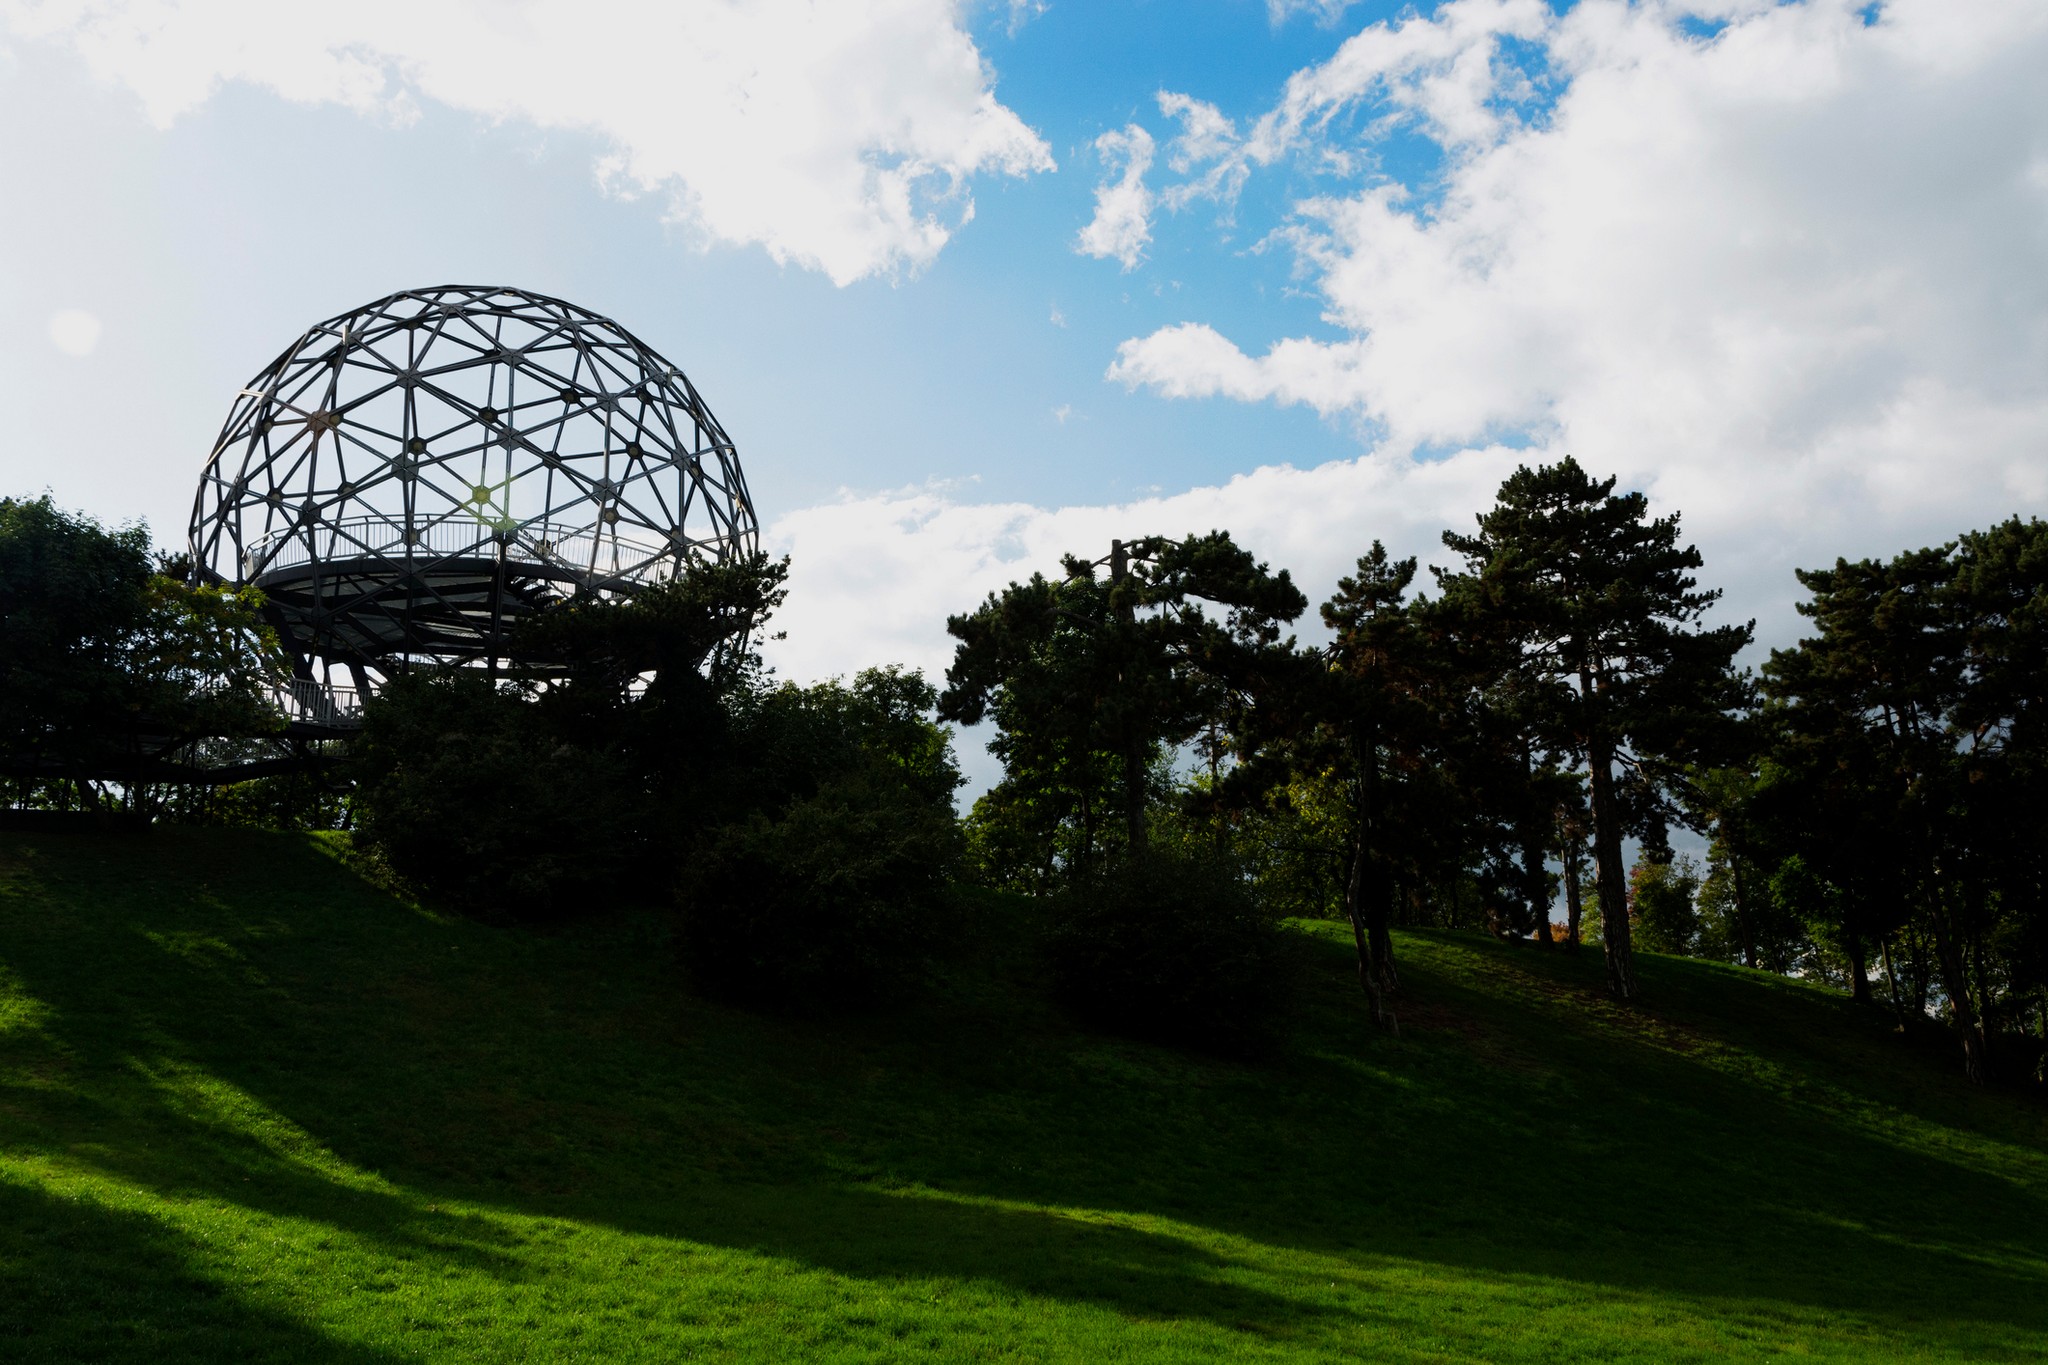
(253, 1108)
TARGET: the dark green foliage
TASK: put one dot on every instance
(1741, 921)
(826, 879)
(1907, 779)
(807, 834)
(470, 795)
(308, 800)
(840, 896)
(1167, 944)
(71, 593)
(110, 663)
(523, 800)
(1090, 679)
(1016, 837)
(1661, 906)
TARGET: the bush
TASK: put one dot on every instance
(1167, 945)
(304, 800)
(468, 795)
(836, 899)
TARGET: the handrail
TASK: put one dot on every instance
(305, 701)
(578, 550)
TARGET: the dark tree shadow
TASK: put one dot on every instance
(82, 1282)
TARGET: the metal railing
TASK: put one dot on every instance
(582, 552)
(307, 702)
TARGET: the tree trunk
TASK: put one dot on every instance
(1367, 893)
(1891, 977)
(1610, 879)
(1133, 745)
(1379, 936)
(1368, 978)
(1743, 924)
(1974, 892)
(1859, 969)
(1134, 798)
(1574, 899)
(1532, 860)
(1920, 975)
(1532, 873)
(1957, 986)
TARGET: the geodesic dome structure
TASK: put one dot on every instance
(411, 479)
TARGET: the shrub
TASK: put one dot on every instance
(1167, 945)
(468, 795)
(838, 897)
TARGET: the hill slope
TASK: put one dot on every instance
(253, 1108)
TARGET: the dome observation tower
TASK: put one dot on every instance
(411, 479)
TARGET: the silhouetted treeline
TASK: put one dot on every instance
(1481, 753)
(1484, 746)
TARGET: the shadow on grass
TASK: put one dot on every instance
(83, 1282)
(1518, 1127)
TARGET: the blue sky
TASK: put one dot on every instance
(205, 246)
(1319, 273)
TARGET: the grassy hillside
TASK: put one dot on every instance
(252, 1108)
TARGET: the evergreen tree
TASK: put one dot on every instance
(1912, 740)
(1599, 602)
(1089, 678)
(1369, 719)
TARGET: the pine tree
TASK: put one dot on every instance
(1088, 677)
(1599, 602)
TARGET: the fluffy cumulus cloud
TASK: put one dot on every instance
(841, 136)
(874, 577)
(1784, 266)
(1122, 224)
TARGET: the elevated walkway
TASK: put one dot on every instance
(374, 589)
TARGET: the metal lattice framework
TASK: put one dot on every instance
(410, 479)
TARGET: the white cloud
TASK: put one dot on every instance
(1791, 278)
(1791, 281)
(1208, 138)
(1323, 11)
(874, 577)
(1122, 224)
(1023, 12)
(74, 331)
(839, 137)
(1441, 70)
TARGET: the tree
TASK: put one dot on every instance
(468, 792)
(1603, 611)
(109, 664)
(828, 880)
(509, 797)
(1912, 737)
(1361, 719)
(1573, 822)
(1089, 678)
(71, 593)
(1661, 903)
